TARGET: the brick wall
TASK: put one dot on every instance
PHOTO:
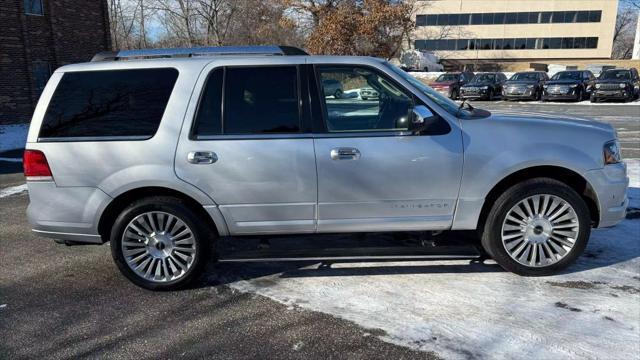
(32, 46)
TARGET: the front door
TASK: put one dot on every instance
(374, 174)
(248, 151)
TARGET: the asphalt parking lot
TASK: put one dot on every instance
(67, 302)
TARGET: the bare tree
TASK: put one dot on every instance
(123, 15)
(217, 16)
(624, 33)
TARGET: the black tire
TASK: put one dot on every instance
(538, 95)
(593, 99)
(202, 235)
(455, 94)
(337, 94)
(490, 95)
(492, 231)
(579, 96)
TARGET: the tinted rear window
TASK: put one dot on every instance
(109, 103)
(261, 100)
(257, 100)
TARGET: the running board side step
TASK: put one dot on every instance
(402, 253)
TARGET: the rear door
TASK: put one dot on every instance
(248, 148)
(373, 174)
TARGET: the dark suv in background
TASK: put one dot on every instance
(525, 85)
(569, 85)
(449, 84)
(484, 86)
(617, 84)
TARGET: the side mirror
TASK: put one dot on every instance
(421, 118)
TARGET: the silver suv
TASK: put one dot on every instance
(162, 152)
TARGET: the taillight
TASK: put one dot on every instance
(36, 167)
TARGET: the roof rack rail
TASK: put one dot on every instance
(198, 51)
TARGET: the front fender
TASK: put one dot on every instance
(483, 173)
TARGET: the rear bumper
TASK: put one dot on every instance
(610, 184)
(82, 238)
(66, 213)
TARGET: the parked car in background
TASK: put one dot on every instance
(368, 93)
(203, 147)
(526, 85)
(617, 84)
(484, 86)
(416, 60)
(333, 88)
(569, 85)
(449, 84)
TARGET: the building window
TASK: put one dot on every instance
(33, 7)
(508, 44)
(538, 17)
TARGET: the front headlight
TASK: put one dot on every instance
(612, 152)
(545, 86)
(597, 86)
(622, 86)
(530, 86)
(573, 86)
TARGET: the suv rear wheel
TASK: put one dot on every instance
(537, 227)
(159, 243)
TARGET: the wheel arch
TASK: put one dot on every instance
(569, 177)
(120, 202)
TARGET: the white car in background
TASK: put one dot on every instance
(417, 60)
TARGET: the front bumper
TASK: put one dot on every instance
(475, 95)
(610, 94)
(610, 185)
(519, 93)
(518, 97)
(560, 97)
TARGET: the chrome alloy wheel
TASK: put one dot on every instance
(540, 230)
(158, 246)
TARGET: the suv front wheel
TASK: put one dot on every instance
(537, 227)
(160, 243)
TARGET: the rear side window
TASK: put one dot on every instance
(119, 103)
(256, 100)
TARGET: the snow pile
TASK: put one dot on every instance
(12, 190)
(461, 310)
(426, 76)
(13, 136)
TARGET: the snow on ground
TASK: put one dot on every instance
(12, 190)
(13, 136)
(461, 310)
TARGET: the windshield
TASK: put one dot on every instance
(480, 78)
(524, 76)
(447, 77)
(447, 104)
(567, 75)
(616, 75)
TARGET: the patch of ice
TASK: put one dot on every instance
(12, 190)
(13, 136)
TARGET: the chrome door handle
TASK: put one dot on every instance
(202, 157)
(345, 153)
